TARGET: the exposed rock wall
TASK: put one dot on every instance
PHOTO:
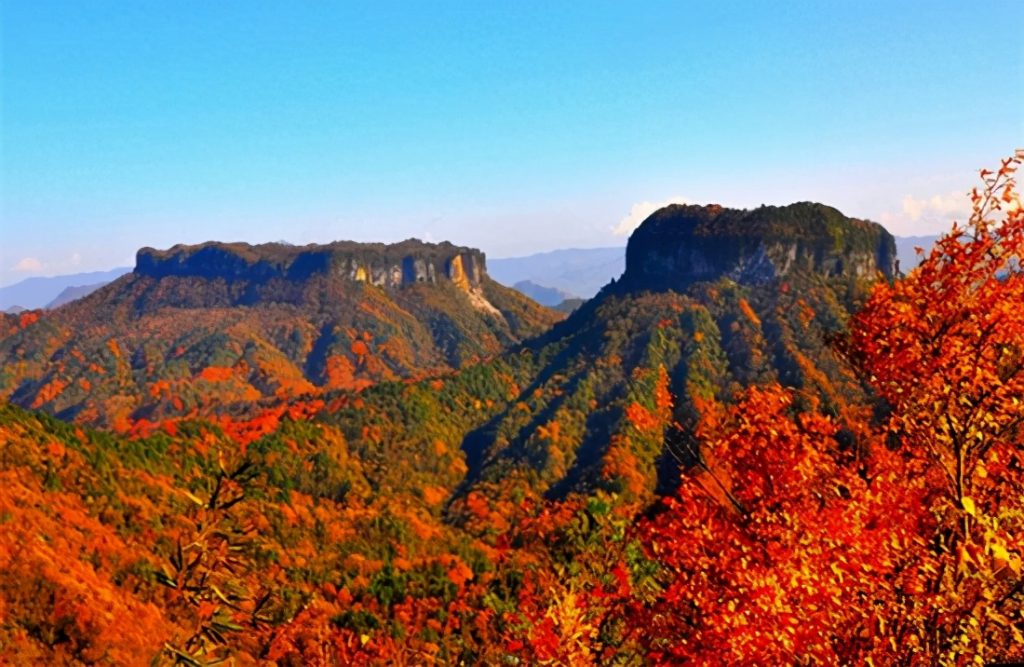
(680, 245)
(393, 265)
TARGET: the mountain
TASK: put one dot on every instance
(386, 510)
(679, 245)
(14, 310)
(906, 249)
(70, 294)
(580, 272)
(34, 293)
(545, 296)
(569, 305)
(712, 300)
(200, 328)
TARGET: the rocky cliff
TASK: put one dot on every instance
(683, 244)
(394, 265)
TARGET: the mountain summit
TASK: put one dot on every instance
(682, 244)
(411, 261)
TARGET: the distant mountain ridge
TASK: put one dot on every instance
(34, 293)
(545, 296)
(906, 249)
(579, 272)
(712, 299)
(70, 294)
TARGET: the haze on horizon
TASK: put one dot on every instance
(513, 129)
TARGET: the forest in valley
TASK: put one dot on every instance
(824, 466)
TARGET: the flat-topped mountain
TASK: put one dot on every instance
(411, 261)
(197, 328)
(712, 300)
(683, 244)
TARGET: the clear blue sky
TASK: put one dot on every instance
(514, 127)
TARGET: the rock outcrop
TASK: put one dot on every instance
(394, 265)
(683, 244)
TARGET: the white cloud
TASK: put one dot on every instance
(953, 205)
(639, 212)
(927, 214)
(29, 265)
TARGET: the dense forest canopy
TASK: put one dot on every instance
(816, 466)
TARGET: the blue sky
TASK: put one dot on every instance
(514, 127)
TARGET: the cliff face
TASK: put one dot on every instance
(681, 245)
(383, 265)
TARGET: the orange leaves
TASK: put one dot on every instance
(621, 464)
(434, 495)
(27, 319)
(640, 417)
(50, 391)
(663, 399)
(944, 345)
(459, 573)
(373, 434)
(646, 420)
(56, 561)
(550, 431)
(216, 374)
(341, 374)
(773, 533)
(749, 313)
(205, 610)
(477, 504)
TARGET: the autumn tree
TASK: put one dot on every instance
(944, 348)
(772, 550)
(206, 573)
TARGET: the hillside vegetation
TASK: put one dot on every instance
(793, 461)
(229, 331)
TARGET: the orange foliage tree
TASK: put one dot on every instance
(944, 348)
(777, 550)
